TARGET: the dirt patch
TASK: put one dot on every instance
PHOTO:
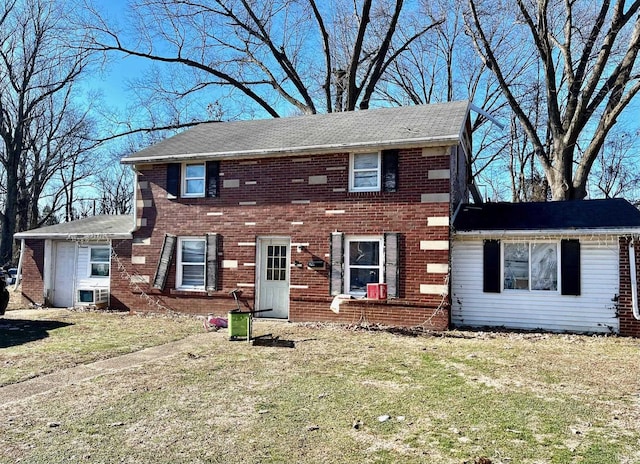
(16, 300)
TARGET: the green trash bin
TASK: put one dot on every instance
(239, 324)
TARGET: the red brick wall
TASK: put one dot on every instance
(629, 325)
(290, 204)
(33, 272)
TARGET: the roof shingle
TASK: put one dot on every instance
(318, 133)
(107, 226)
(613, 213)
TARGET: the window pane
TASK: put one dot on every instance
(365, 161)
(193, 251)
(99, 270)
(193, 275)
(365, 179)
(194, 186)
(100, 255)
(516, 266)
(364, 253)
(194, 170)
(276, 262)
(544, 266)
(360, 277)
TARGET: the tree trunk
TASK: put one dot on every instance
(9, 219)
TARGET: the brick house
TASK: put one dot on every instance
(296, 211)
(302, 213)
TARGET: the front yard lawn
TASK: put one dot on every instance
(341, 395)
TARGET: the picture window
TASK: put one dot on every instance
(530, 266)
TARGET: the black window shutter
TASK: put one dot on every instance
(173, 179)
(336, 277)
(392, 263)
(570, 267)
(390, 170)
(491, 266)
(213, 178)
(166, 255)
(212, 262)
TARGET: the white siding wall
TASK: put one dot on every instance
(84, 281)
(592, 311)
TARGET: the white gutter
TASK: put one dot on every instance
(72, 236)
(522, 233)
(19, 271)
(634, 280)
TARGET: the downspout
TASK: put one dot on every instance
(19, 271)
(634, 280)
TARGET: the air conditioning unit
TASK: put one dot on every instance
(93, 296)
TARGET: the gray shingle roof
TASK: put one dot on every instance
(613, 213)
(105, 226)
(407, 126)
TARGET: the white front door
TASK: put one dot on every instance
(64, 271)
(273, 277)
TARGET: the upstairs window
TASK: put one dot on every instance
(365, 172)
(99, 261)
(373, 172)
(193, 181)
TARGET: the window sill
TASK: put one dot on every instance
(188, 291)
(396, 302)
(376, 194)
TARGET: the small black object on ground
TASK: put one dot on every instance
(269, 340)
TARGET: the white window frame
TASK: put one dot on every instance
(347, 265)
(530, 243)
(180, 264)
(185, 179)
(92, 262)
(353, 170)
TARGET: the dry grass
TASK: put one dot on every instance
(450, 398)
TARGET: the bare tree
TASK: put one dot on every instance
(615, 171)
(584, 57)
(115, 186)
(276, 56)
(57, 159)
(36, 67)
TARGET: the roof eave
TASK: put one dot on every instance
(74, 236)
(449, 140)
(629, 230)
